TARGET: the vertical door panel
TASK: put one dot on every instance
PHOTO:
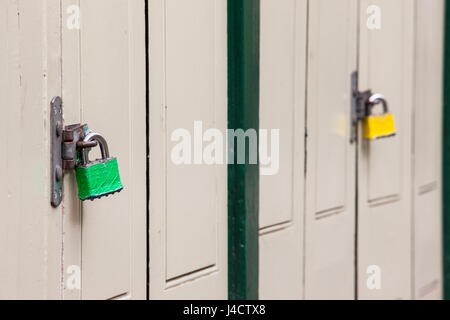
(427, 150)
(104, 98)
(384, 215)
(30, 229)
(108, 73)
(188, 225)
(190, 80)
(282, 96)
(330, 178)
(72, 114)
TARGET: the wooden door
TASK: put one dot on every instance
(103, 85)
(92, 54)
(30, 229)
(384, 166)
(282, 107)
(397, 226)
(188, 204)
(330, 173)
(427, 133)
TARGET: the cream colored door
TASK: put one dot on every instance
(397, 248)
(30, 229)
(372, 209)
(384, 166)
(427, 132)
(97, 64)
(282, 106)
(188, 205)
(330, 171)
(103, 85)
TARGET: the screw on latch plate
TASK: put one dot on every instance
(65, 143)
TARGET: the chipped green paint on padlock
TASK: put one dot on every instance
(98, 178)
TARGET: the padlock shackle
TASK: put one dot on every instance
(93, 136)
(375, 99)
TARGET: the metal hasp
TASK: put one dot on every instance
(56, 132)
(359, 106)
(73, 136)
(65, 144)
(362, 105)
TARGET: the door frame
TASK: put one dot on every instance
(243, 180)
(446, 156)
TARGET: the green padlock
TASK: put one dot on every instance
(97, 178)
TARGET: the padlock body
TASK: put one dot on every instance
(381, 126)
(97, 179)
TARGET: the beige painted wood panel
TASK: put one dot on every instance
(330, 173)
(282, 106)
(71, 95)
(104, 86)
(188, 208)
(30, 229)
(384, 197)
(427, 135)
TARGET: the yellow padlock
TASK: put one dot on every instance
(378, 126)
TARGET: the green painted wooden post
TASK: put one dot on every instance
(446, 156)
(243, 180)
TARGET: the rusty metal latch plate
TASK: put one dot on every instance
(66, 142)
(56, 134)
